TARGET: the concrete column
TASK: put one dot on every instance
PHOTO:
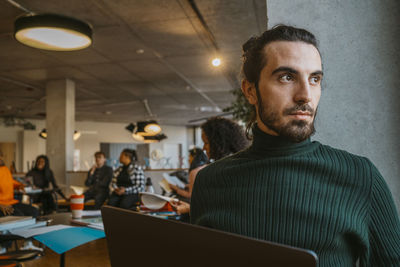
(60, 125)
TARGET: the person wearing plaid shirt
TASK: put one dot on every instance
(127, 182)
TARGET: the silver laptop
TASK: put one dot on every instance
(134, 239)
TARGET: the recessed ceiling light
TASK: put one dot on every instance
(52, 32)
(139, 51)
(108, 112)
(216, 62)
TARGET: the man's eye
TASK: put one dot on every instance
(285, 78)
(315, 80)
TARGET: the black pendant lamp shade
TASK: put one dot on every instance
(52, 32)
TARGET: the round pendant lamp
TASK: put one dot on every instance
(52, 32)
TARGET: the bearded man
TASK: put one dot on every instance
(285, 188)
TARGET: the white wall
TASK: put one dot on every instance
(93, 133)
(28, 143)
(176, 135)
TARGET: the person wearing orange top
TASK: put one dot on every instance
(9, 205)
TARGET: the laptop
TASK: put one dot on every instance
(135, 238)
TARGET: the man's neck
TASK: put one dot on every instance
(99, 166)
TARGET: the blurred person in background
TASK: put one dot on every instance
(197, 160)
(127, 182)
(9, 205)
(98, 181)
(221, 137)
(43, 177)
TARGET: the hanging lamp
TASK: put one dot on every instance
(52, 32)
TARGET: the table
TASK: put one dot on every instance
(62, 218)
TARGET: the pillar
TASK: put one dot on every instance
(60, 125)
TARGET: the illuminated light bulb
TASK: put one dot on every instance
(216, 62)
(152, 128)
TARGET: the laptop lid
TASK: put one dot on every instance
(134, 238)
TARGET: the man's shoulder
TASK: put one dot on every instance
(351, 160)
(226, 162)
(338, 152)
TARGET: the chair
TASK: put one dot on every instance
(20, 256)
(7, 263)
(13, 258)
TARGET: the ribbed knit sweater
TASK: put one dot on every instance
(306, 195)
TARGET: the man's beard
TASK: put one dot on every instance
(294, 130)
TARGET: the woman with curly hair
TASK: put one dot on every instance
(222, 137)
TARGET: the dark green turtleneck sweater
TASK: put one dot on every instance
(306, 195)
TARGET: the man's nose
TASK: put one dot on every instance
(303, 92)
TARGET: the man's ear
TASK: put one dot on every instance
(249, 91)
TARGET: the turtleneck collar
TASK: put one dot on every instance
(269, 145)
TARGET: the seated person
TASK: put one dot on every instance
(42, 178)
(127, 182)
(9, 205)
(221, 137)
(98, 181)
(197, 160)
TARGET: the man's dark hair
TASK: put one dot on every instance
(254, 58)
(194, 151)
(224, 137)
(199, 159)
(99, 153)
(131, 153)
(46, 170)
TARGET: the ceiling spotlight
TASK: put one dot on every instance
(52, 32)
(43, 134)
(147, 128)
(216, 62)
(77, 134)
(152, 128)
(146, 131)
(139, 51)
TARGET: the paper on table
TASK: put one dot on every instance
(173, 180)
(26, 233)
(65, 239)
(99, 226)
(155, 201)
(91, 213)
(14, 222)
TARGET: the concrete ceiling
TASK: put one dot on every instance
(112, 79)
